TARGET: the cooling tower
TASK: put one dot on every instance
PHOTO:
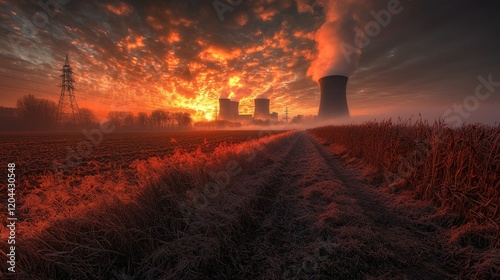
(261, 109)
(224, 108)
(333, 97)
(234, 109)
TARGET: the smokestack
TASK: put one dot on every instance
(225, 108)
(333, 102)
(262, 109)
(234, 109)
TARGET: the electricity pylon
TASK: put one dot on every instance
(67, 110)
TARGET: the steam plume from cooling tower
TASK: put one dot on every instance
(337, 51)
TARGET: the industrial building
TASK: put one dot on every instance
(224, 109)
(333, 102)
(262, 112)
(229, 110)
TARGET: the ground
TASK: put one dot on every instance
(320, 220)
(286, 208)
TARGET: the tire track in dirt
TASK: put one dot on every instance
(415, 249)
(219, 231)
(318, 220)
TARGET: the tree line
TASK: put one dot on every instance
(157, 119)
(33, 113)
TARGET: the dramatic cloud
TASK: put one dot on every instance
(178, 55)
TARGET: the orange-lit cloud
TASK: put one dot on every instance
(133, 42)
(120, 8)
(177, 55)
(219, 54)
(268, 14)
(304, 7)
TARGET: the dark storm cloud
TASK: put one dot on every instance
(432, 48)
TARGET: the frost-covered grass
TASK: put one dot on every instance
(457, 169)
(98, 227)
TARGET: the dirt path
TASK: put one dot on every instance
(318, 220)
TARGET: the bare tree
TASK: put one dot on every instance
(142, 120)
(128, 120)
(183, 120)
(35, 113)
(160, 118)
(87, 116)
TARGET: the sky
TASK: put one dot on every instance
(183, 55)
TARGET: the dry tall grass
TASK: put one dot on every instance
(457, 169)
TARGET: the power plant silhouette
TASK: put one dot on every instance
(333, 102)
(262, 108)
(229, 110)
(225, 109)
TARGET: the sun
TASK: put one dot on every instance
(208, 116)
